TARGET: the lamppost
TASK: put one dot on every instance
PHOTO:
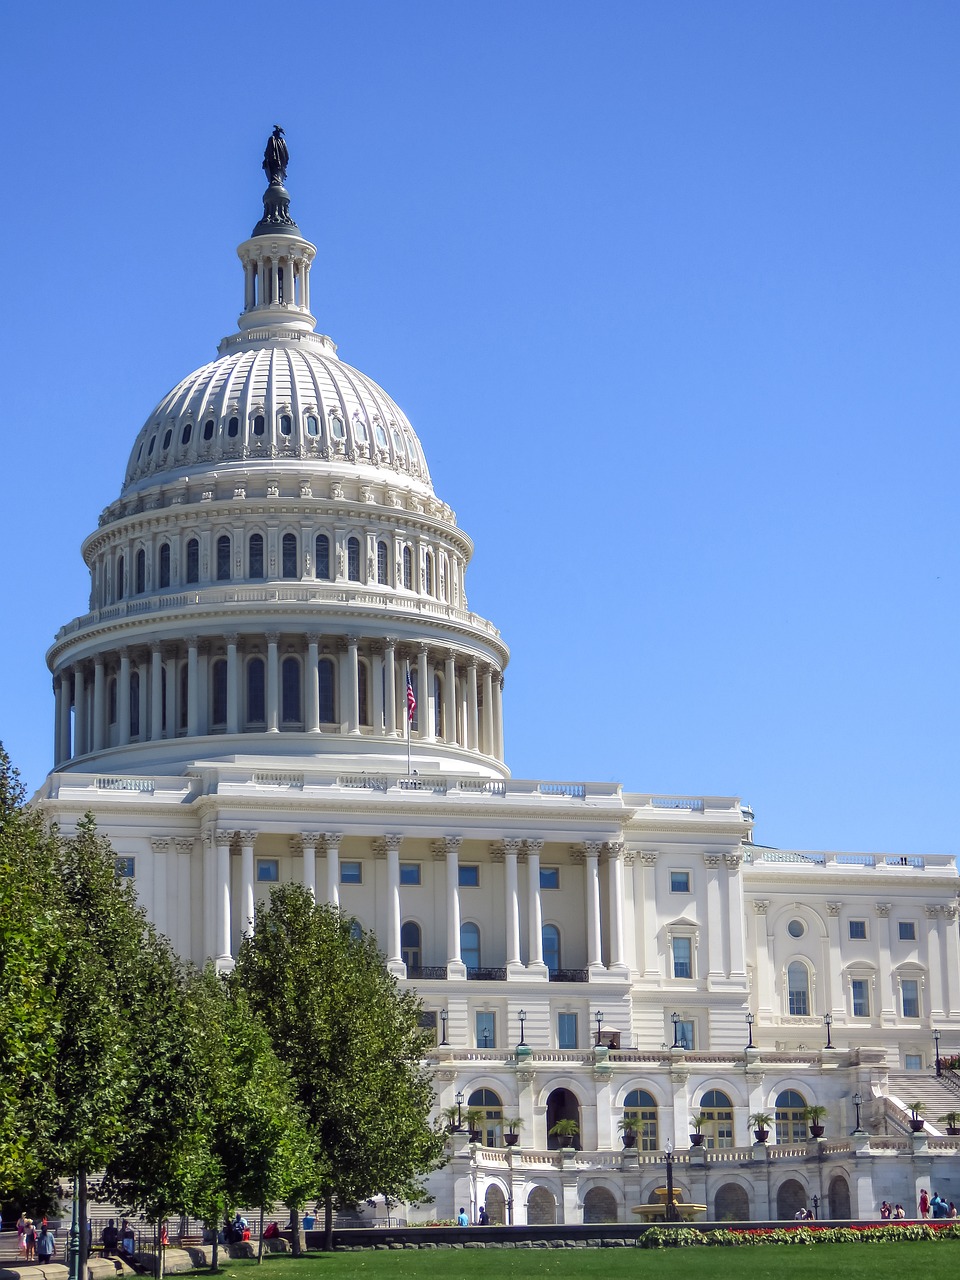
(749, 1030)
(670, 1212)
(522, 1016)
(443, 1026)
(828, 1023)
(598, 1018)
(858, 1103)
(816, 1206)
(73, 1243)
(486, 1038)
(675, 1019)
(459, 1100)
(936, 1049)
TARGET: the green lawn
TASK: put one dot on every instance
(932, 1260)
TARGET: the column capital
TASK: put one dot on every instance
(648, 857)
(711, 860)
(761, 905)
(161, 844)
(534, 846)
(313, 637)
(156, 648)
(423, 647)
(883, 910)
(499, 849)
(382, 845)
(191, 641)
(932, 910)
(449, 844)
(222, 836)
(302, 840)
(391, 641)
(332, 840)
(834, 908)
(614, 850)
(231, 637)
(732, 861)
(586, 849)
(247, 838)
(184, 844)
(949, 911)
(272, 637)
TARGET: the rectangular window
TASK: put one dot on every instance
(549, 877)
(268, 870)
(567, 1031)
(409, 872)
(428, 1022)
(468, 877)
(351, 873)
(126, 868)
(486, 1029)
(860, 991)
(912, 1062)
(683, 957)
(910, 996)
(907, 930)
(858, 929)
(679, 881)
(685, 1034)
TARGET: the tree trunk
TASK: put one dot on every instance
(260, 1241)
(215, 1256)
(83, 1219)
(159, 1249)
(295, 1230)
(328, 1222)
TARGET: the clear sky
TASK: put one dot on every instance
(668, 290)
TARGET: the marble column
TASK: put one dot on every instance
(247, 841)
(934, 960)
(389, 847)
(486, 715)
(61, 729)
(376, 680)
(951, 961)
(450, 697)
(535, 965)
(156, 694)
(99, 706)
(80, 710)
(162, 847)
(184, 929)
(735, 917)
(473, 714)
(498, 716)
(508, 851)
(715, 921)
(889, 985)
(193, 688)
(424, 697)
(273, 683)
(615, 900)
(589, 853)
(449, 849)
(123, 698)
(390, 686)
(331, 841)
(233, 684)
(353, 685)
(312, 685)
(223, 958)
(170, 670)
(646, 915)
(835, 996)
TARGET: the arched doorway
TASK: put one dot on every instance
(641, 1106)
(491, 1126)
(839, 1197)
(731, 1204)
(541, 1208)
(600, 1205)
(562, 1105)
(496, 1206)
(791, 1197)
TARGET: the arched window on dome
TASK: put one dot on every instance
(286, 424)
(289, 564)
(470, 945)
(134, 704)
(411, 951)
(233, 427)
(437, 705)
(798, 989)
(120, 577)
(551, 947)
(218, 694)
(323, 556)
(641, 1106)
(163, 565)
(428, 573)
(256, 699)
(255, 555)
(328, 701)
(291, 709)
(336, 427)
(193, 560)
(141, 572)
(407, 568)
(186, 433)
(259, 424)
(313, 424)
(381, 435)
(353, 559)
(223, 558)
(360, 428)
(790, 1117)
(167, 437)
(383, 564)
(208, 429)
(363, 698)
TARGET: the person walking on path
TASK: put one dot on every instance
(924, 1204)
(46, 1245)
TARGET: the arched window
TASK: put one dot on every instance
(120, 577)
(163, 565)
(641, 1106)
(259, 425)
(551, 947)
(290, 710)
(141, 572)
(223, 558)
(353, 559)
(290, 555)
(791, 1121)
(218, 699)
(363, 699)
(208, 429)
(193, 560)
(255, 555)
(328, 702)
(286, 424)
(233, 428)
(407, 568)
(134, 704)
(470, 945)
(337, 428)
(428, 573)
(717, 1112)
(410, 947)
(256, 701)
(323, 556)
(186, 433)
(437, 706)
(798, 989)
(600, 1205)
(383, 553)
(356, 931)
(313, 424)
(489, 1103)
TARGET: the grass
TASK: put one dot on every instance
(931, 1259)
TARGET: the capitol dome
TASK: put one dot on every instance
(277, 578)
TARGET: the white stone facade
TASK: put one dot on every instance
(233, 708)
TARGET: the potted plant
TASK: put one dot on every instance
(814, 1116)
(952, 1121)
(475, 1118)
(512, 1136)
(916, 1110)
(761, 1121)
(566, 1128)
(696, 1124)
(629, 1126)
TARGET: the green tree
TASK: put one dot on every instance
(353, 1045)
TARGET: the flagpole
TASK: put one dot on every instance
(409, 718)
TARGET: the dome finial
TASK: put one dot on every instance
(276, 199)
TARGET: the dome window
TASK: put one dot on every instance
(164, 565)
(336, 426)
(381, 435)
(193, 560)
(353, 559)
(323, 555)
(383, 576)
(286, 424)
(256, 555)
(208, 429)
(233, 428)
(359, 428)
(397, 442)
(313, 424)
(186, 433)
(290, 702)
(167, 437)
(223, 558)
(153, 441)
(407, 568)
(259, 424)
(289, 555)
(140, 451)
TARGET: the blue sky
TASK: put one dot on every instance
(668, 290)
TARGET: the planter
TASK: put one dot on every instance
(761, 1135)
(629, 1139)
(476, 1135)
(916, 1126)
(952, 1131)
(511, 1139)
(816, 1131)
(696, 1139)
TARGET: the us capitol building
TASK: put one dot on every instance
(233, 708)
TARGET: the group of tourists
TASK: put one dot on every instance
(35, 1243)
(934, 1206)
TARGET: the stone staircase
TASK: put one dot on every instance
(937, 1096)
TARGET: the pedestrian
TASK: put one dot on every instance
(128, 1240)
(108, 1238)
(30, 1239)
(482, 1219)
(462, 1219)
(46, 1244)
(899, 1211)
(924, 1204)
(22, 1233)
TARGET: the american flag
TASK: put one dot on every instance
(411, 699)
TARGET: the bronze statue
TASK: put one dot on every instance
(275, 158)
